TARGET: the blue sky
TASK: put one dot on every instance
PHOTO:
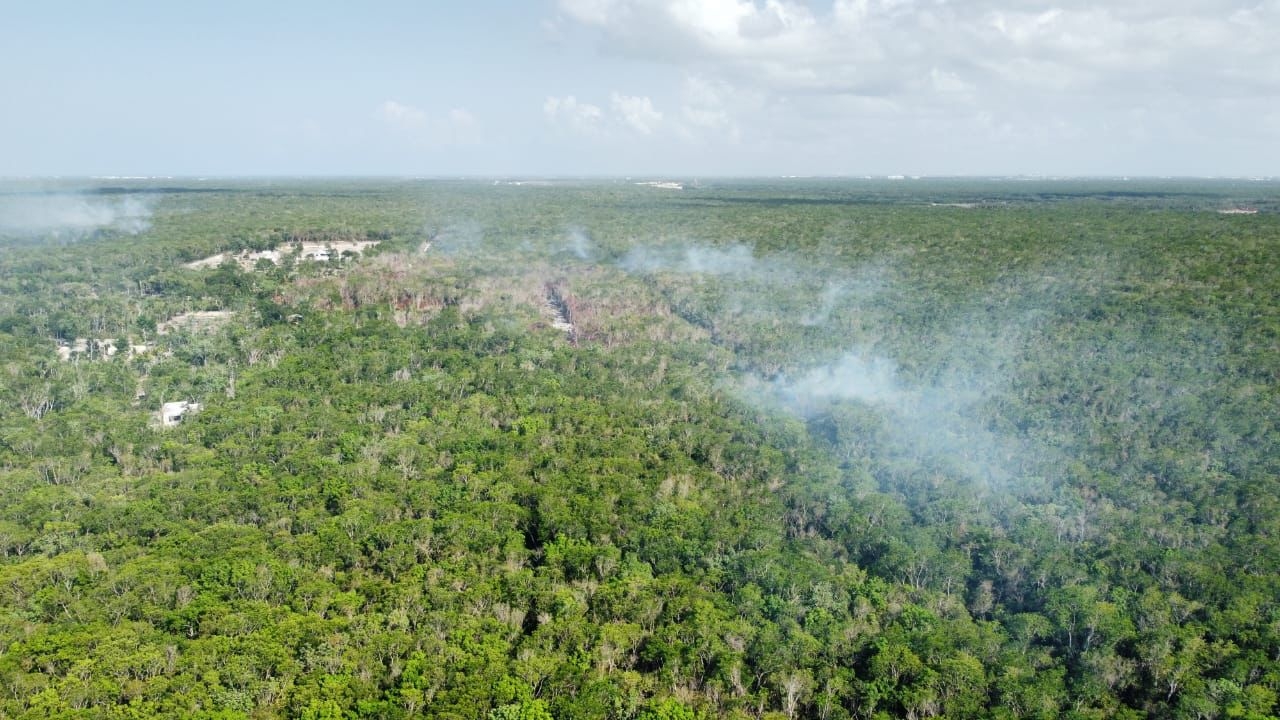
(630, 87)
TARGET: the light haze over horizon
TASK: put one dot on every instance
(642, 87)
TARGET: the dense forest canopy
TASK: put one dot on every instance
(802, 448)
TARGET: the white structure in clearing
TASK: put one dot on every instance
(306, 251)
(99, 348)
(172, 413)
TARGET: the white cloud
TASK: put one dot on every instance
(592, 11)
(403, 116)
(627, 115)
(945, 81)
(461, 118)
(891, 47)
(425, 130)
(637, 112)
(583, 118)
(957, 86)
(463, 127)
(709, 109)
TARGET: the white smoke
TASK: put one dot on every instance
(731, 260)
(73, 215)
(869, 379)
(579, 244)
(938, 420)
(459, 238)
(864, 286)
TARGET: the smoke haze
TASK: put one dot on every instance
(733, 260)
(74, 215)
(579, 244)
(458, 238)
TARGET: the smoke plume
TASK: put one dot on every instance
(733, 260)
(579, 244)
(72, 215)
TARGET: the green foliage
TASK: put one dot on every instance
(666, 709)
(407, 494)
(528, 710)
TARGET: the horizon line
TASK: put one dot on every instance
(692, 177)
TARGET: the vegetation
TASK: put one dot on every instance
(819, 449)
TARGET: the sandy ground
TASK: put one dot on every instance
(248, 259)
(200, 321)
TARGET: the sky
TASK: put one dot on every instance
(682, 88)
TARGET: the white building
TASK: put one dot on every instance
(172, 413)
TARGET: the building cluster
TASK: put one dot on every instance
(98, 348)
